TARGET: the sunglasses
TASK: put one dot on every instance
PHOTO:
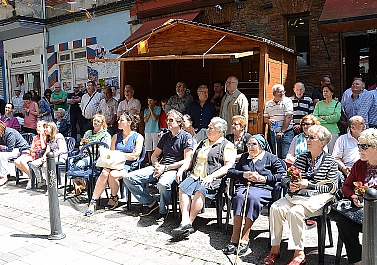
(306, 124)
(76, 87)
(311, 137)
(363, 146)
(251, 144)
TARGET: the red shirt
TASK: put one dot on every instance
(162, 120)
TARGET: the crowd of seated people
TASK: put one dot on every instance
(208, 154)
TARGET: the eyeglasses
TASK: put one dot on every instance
(311, 137)
(280, 92)
(76, 87)
(363, 146)
(251, 144)
(226, 82)
(169, 120)
(306, 124)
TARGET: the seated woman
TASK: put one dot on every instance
(9, 120)
(212, 159)
(61, 123)
(98, 134)
(38, 144)
(239, 137)
(262, 169)
(299, 143)
(364, 170)
(319, 179)
(55, 143)
(131, 143)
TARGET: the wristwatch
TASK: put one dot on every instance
(166, 168)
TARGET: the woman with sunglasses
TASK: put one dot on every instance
(98, 134)
(127, 141)
(299, 143)
(364, 171)
(262, 169)
(306, 196)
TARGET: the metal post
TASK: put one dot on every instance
(369, 256)
(53, 201)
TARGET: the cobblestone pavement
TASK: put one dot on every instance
(121, 236)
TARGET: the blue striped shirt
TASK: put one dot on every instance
(368, 108)
(301, 107)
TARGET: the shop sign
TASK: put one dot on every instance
(24, 61)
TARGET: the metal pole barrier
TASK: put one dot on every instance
(369, 256)
(53, 201)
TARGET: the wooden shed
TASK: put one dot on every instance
(197, 54)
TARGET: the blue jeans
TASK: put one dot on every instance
(134, 181)
(282, 144)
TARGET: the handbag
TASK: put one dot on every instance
(112, 159)
(346, 208)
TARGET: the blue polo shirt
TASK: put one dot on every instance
(201, 116)
(173, 147)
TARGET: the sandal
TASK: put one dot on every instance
(271, 258)
(91, 208)
(115, 199)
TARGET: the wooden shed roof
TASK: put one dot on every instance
(182, 39)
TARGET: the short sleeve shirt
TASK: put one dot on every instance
(278, 111)
(346, 149)
(108, 109)
(151, 126)
(173, 146)
(75, 107)
(57, 96)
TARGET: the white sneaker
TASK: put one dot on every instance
(28, 185)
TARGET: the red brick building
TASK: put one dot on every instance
(346, 48)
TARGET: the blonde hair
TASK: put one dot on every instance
(102, 117)
(241, 120)
(42, 122)
(369, 137)
(54, 131)
(313, 119)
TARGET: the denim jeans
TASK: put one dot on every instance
(282, 144)
(134, 181)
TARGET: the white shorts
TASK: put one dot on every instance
(151, 141)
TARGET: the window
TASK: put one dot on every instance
(298, 39)
(22, 54)
(80, 55)
(65, 57)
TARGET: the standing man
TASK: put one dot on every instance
(317, 93)
(108, 107)
(181, 100)
(201, 111)
(20, 85)
(351, 105)
(175, 147)
(59, 98)
(277, 115)
(346, 151)
(302, 106)
(129, 104)
(218, 88)
(17, 102)
(75, 115)
(151, 117)
(233, 103)
(89, 106)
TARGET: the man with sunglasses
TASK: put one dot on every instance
(175, 148)
(346, 150)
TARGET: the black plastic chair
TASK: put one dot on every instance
(90, 173)
(29, 139)
(70, 141)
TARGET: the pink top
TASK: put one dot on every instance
(30, 121)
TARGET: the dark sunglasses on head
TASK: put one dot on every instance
(363, 146)
(306, 123)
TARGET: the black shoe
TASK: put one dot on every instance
(146, 210)
(183, 229)
(230, 249)
(162, 217)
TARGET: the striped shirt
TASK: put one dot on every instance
(368, 108)
(351, 106)
(278, 111)
(90, 107)
(325, 169)
(301, 107)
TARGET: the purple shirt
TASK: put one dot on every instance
(10, 122)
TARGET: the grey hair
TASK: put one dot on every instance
(201, 86)
(57, 83)
(275, 87)
(354, 119)
(369, 137)
(130, 86)
(220, 124)
(301, 85)
(322, 133)
(177, 115)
